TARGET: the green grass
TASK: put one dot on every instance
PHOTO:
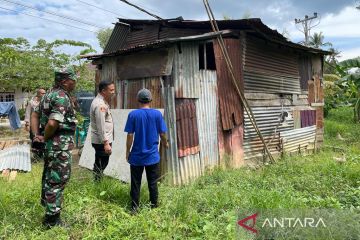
(205, 209)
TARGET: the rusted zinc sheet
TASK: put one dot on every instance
(298, 139)
(131, 88)
(305, 71)
(308, 118)
(16, 157)
(186, 127)
(185, 72)
(267, 119)
(269, 70)
(231, 152)
(190, 168)
(231, 111)
(118, 37)
(168, 32)
(142, 34)
(145, 64)
(256, 81)
(206, 111)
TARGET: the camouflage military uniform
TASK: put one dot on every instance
(56, 105)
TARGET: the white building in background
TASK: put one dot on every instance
(18, 96)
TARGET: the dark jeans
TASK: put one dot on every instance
(101, 161)
(152, 175)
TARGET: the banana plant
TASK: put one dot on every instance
(349, 71)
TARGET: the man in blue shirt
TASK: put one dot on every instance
(146, 124)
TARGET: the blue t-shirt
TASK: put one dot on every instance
(146, 124)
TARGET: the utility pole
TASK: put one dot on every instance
(306, 23)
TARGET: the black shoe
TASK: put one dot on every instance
(42, 202)
(53, 221)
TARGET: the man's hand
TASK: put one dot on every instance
(27, 127)
(107, 148)
(164, 140)
(127, 156)
(38, 138)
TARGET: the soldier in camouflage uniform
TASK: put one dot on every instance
(56, 118)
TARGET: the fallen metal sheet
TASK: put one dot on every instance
(16, 157)
(118, 166)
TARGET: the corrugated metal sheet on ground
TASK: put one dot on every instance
(185, 71)
(267, 119)
(299, 139)
(190, 167)
(186, 127)
(230, 103)
(16, 158)
(206, 111)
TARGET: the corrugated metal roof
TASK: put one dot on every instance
(230, 103)
(16, 158)
(118, 37)
(161, 43)
(185, 71)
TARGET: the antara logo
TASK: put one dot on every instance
(281, 222)
(247, 227)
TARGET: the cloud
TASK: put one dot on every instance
(339, 18)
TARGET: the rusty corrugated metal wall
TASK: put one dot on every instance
(267, 119)
(231, 112)
(185, 69)
(131, 88)
(186, 127)
(206, 110)
(269, 69)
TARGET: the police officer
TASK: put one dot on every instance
(102, 127)
(56, 118)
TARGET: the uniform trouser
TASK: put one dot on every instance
(152, 176)
(101, 160)
(57, 170)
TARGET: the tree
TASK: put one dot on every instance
(29, 67)
(349, 71)
(317, 41)
(103, 36)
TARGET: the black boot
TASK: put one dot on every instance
(52, 221)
